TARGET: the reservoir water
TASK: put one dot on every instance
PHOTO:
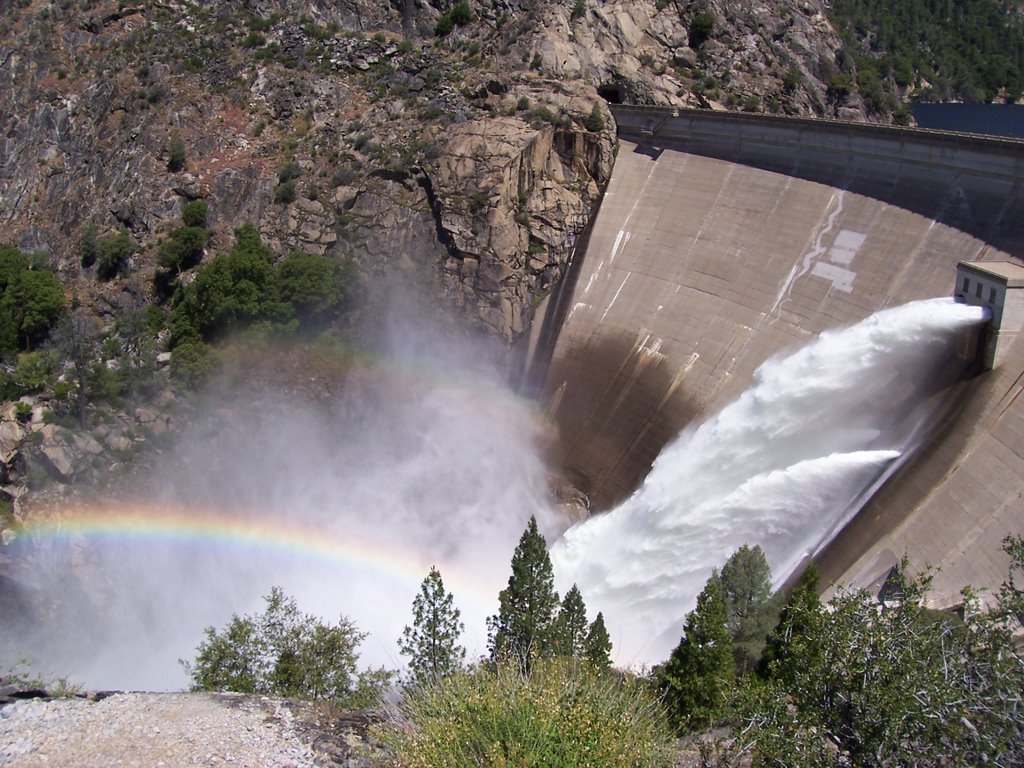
(992, 119)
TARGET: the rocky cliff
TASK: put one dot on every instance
(457, 149)
(463, 159)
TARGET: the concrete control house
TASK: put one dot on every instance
(999, 286)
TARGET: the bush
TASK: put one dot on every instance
(700, 29)
(113, 254)
(88, 244)
(230, 292)
(564, 713)
(193, 214)
(285, 193)
(594, 122)
(183, 249)
(175, 155)
(283, 652)
(289, 171)
(31, 302)
(31, 375)
(444, 25)
(792, 79)
(460, 14)
(840, 86)
(317, 287)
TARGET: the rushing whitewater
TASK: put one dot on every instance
(784, 466)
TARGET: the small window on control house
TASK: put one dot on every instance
(991, 295)
(977, 290)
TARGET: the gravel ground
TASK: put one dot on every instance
(170, 729)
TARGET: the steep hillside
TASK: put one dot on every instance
(468, 149)
(456, 149)
(960, 50)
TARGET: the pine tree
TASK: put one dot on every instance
(598, 646)
(571, 625)
(432, 640)
(750, 611)
(522, 630)
(698, 676)
(794, 641)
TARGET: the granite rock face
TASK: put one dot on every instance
(463, 163)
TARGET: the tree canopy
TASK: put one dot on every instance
(598, 645)
(697, 679)
(750, 611)
(523, 628)
(432, 640)
(968, 50)
(283, 652)
(890, 683)
(31, 302)
(247, 287)
(570, 630)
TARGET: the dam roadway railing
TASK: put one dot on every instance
(908, 167)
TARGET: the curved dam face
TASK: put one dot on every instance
(726, 239)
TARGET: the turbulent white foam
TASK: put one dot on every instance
(446, 469)
(783, 466)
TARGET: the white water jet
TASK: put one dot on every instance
(784, 466)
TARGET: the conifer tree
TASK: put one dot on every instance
(698, 676)
(750, 610)
(571, 625)
(794, 641)
(598, 646)
(432, 640)
(522, 630)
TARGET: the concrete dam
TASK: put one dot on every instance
(724, 240)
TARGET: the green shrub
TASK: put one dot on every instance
(840, 86)
(318, 288)
(33, 372)
(563, 713)
(283, 652)
(230, 293)
(113, 254)
(88, 244)
(193, 214)
(460, 14)
(285, 193)
(594, 122)
(31, 302)
(792, 79)
(253, 40)
(175, 154)
(700, 29)
(191, 363)
(289, 171)
(444, 25)
(22, 411)
(523, 104)
(183, 249)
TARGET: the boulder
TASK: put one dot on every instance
(56, 461)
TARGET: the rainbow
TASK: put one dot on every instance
(194, 526)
